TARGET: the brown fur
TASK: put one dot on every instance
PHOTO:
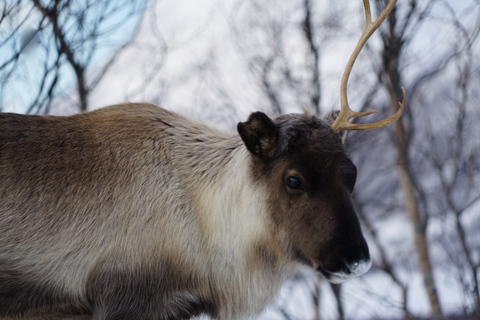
(135, 212)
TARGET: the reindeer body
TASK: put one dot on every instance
(135, 212)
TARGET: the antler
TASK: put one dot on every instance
(341, 123)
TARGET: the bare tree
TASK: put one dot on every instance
(295, 29)
(50, 45)
(452, 157)
(393, 40)
(419, 135)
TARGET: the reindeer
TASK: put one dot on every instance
(136, 212)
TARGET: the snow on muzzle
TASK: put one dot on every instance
(348, 271)
(348, 259)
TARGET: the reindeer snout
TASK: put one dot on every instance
(347, 262)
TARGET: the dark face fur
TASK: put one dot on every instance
(310, 180)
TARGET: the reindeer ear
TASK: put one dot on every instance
(259, 134)
(330, 118)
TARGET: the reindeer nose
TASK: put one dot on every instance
(354, 261)
(360, 262)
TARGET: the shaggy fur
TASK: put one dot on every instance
(135, 212)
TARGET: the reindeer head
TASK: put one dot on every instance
(309, 179)
(302, 162)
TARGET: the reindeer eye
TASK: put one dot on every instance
(294, 182)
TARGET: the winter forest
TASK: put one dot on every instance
(418, 187)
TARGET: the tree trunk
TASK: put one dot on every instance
(337, 292)
(316, 295)
(420, 226)
(393, 44)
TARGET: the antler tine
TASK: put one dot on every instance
(341, 123)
